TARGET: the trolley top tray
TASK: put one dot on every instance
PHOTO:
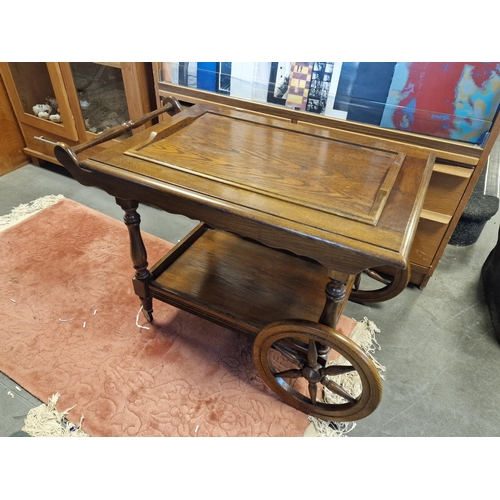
(349, 205)
(293, 166)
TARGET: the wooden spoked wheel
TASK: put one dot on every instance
(289, 358)
(380, 287)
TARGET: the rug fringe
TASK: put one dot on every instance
(364, 334)
(324, 428)
(46, 421)
(22, 211)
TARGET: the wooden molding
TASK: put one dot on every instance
(11, 140)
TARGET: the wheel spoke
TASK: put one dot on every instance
(313, 392)
(289, 354)
(333, 370)
(312, 354)
(377, 277)
(293, 373)
(357, 282)
(337, 389)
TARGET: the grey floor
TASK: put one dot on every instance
(438, 346)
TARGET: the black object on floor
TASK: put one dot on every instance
(479, 210)
(490, 276)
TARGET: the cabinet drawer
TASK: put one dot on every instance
(446, 188)
(40, 146)
(45, 150)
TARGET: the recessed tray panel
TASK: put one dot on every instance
(304, 169)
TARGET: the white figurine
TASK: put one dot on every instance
(41, 108)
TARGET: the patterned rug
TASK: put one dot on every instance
(71, 334)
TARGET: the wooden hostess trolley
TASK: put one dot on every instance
(292, 214)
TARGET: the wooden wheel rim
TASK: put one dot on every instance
(399, 282)
(304, 331)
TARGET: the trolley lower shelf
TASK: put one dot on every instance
(277, 297)
(238, 283)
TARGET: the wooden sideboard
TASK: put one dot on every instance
(89, 98)
(456, 171)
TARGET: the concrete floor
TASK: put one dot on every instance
(441, 356)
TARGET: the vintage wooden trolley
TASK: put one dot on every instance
(292, 214)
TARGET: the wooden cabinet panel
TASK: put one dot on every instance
(419, 275)
(11, 139)
(446, 189)
(430, 232)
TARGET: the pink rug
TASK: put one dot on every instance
(68, 326)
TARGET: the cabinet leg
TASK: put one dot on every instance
(139, 255)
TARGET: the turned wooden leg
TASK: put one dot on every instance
(139, 255)
(337, 292)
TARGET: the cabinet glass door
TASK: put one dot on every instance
(101, 93)
(42, 98)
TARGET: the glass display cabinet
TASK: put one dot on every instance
(448, 110)
(72, 102)
(42, 101)
(101, 95)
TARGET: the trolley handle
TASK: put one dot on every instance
(114, 132)
(63, 152)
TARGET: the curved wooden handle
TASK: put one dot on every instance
(67, 155)
(114, 132)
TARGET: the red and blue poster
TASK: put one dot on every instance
(451, 100)
(455, 100)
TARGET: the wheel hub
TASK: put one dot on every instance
(311, 375)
